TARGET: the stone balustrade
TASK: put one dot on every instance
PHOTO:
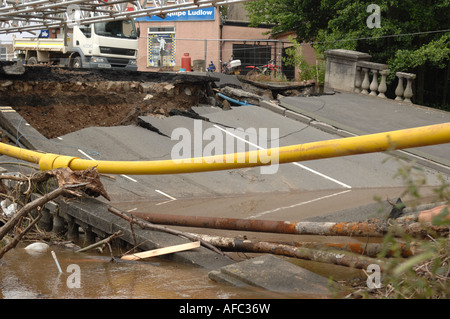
(407, 93)
(362, 78)
(351, 71)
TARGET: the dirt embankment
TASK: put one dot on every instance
(58, 101)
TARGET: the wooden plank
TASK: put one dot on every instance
(162, 251)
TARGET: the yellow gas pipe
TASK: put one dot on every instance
(400, 139)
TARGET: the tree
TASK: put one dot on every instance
(305, 17)
(411, 36)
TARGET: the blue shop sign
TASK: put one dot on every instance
(44, 34)
(204, 14)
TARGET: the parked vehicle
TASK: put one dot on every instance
(231, 67)
(111, 44)
(267, 69)
(211, 67)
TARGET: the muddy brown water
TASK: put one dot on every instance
(36, 276)
(25, 275)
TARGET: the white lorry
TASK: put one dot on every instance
(111, 44)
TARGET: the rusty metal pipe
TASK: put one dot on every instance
(366, 249)
(219, 223)
(368, 228)
(341, 258)
(372, 228)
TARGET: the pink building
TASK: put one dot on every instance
(206, 37)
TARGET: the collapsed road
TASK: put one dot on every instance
(77, 99)
(131, 116)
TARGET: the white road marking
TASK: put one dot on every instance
(128, 177)
(91, 158)
(162, 193)
(6, 109)
(297, 205)
(238, 137)
(297, 164)
(85, 154)
(323, 175)
(166, 195)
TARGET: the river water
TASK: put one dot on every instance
(36, 276)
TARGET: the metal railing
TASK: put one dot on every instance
(28, 15)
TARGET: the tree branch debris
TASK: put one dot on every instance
(70, 183)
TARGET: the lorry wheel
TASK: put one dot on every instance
(77, 64)
(32, 61)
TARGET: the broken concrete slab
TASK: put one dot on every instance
(20, 131)
(15, 68)
(241, 95)
(272, 273)
(221, 79)
(203, 109)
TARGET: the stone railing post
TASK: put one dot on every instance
(399, 90)
(383, 87)
(375, 69)
(341, 70)
(358, 80)
(406, 93)
(374, 83)
(366, 82)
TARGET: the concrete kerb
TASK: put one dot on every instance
(280, 109)
(272, 107)
(298, 117)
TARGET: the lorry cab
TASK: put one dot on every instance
(111, 44)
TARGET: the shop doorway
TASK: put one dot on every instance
(161, 47)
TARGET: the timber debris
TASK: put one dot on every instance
(68, 184)
(146, 225)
